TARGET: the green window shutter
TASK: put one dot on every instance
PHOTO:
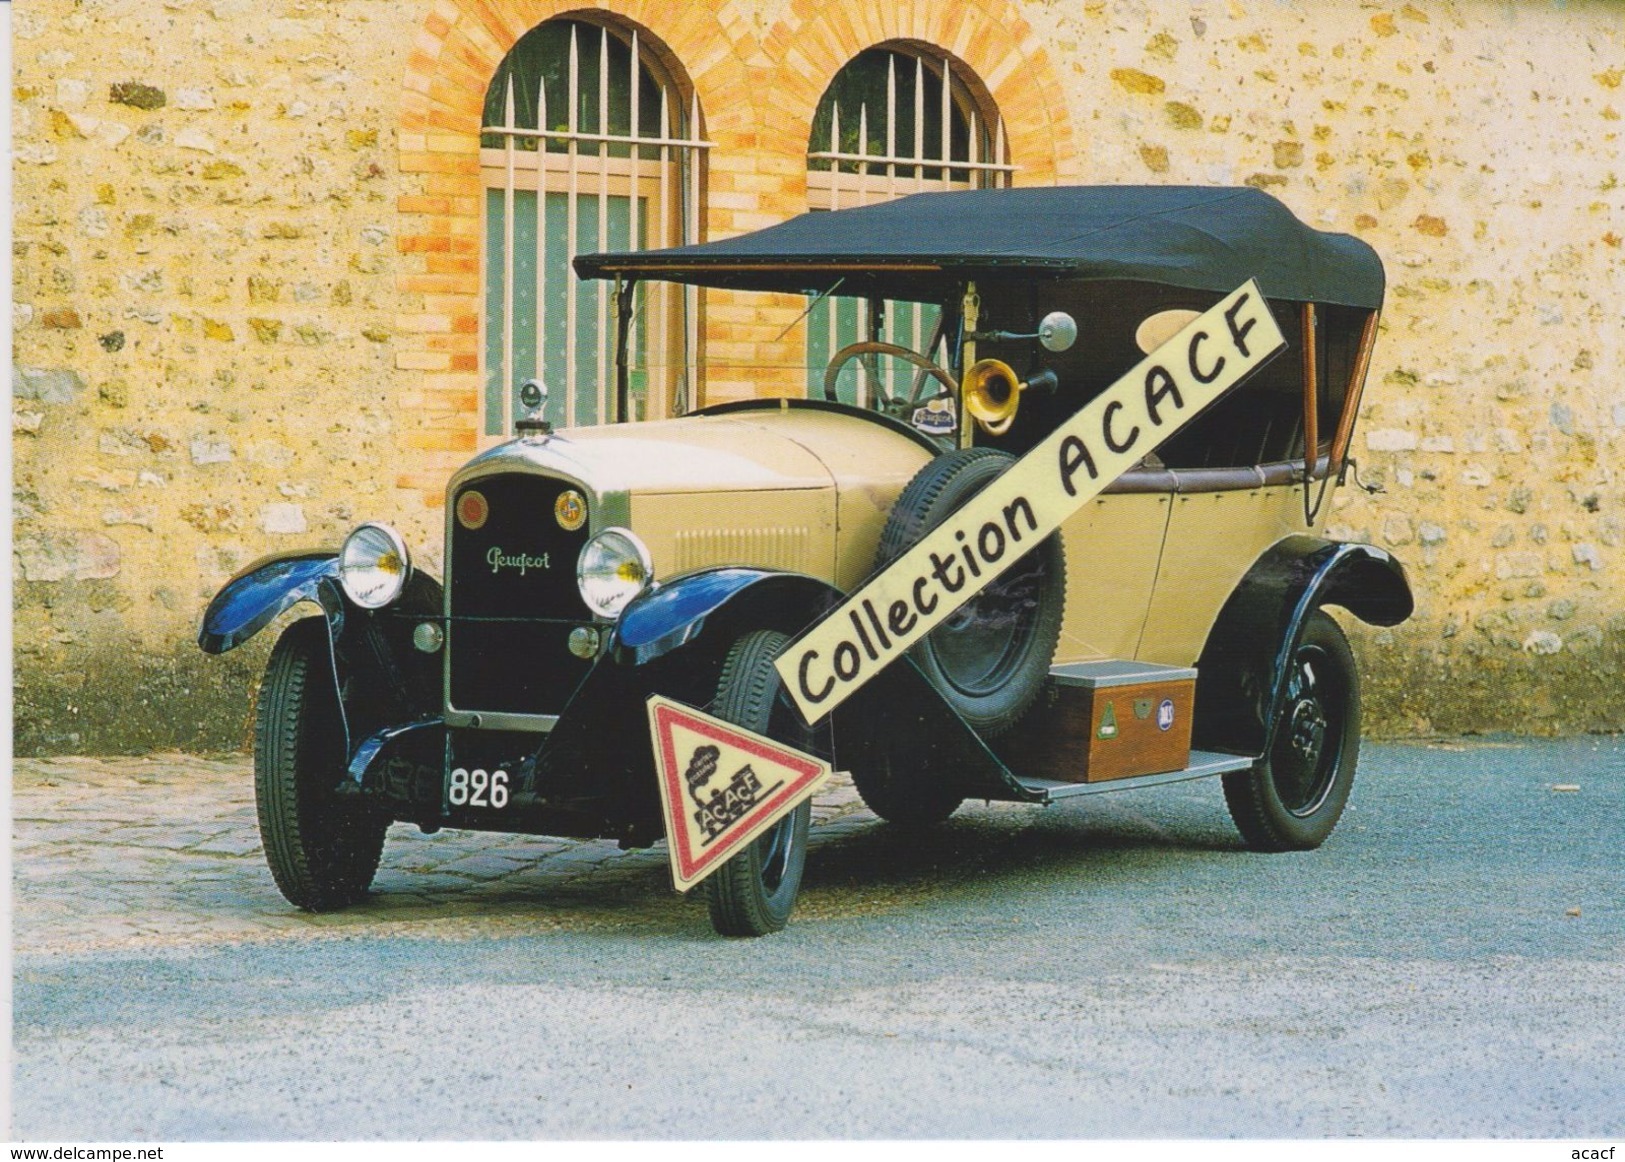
(557, 277)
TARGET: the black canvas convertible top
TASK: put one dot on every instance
(1195, 237)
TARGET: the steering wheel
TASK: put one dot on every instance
(893, 405)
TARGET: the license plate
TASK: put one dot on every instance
(477, 788)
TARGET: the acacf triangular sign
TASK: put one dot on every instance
(721, 786)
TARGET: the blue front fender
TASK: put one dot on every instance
(706, 612)
(736, 599)
(252, 600)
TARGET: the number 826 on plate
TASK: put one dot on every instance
(477, 788)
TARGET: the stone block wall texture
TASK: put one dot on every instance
(245, 274)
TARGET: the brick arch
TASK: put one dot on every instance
(454, 56)
(990, 38)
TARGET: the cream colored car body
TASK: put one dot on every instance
(798, 490)
(809, 491)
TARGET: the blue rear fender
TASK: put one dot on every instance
(1241, 675)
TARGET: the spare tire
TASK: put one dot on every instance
(991, 657)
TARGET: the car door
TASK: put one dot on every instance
(1221, 520)
(1238, 472)
(1113, 546)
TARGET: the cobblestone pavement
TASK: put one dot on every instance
(164, 849)
(1448, 965)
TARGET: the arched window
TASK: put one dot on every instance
(587, 145)
(902, 118)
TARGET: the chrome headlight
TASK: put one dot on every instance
(374, 566)
(613, 568)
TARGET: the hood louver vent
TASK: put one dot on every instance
(776, 548)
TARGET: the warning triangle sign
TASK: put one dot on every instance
(721, 786)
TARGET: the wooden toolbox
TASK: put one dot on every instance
(1097, 721)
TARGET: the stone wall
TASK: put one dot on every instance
(1478, 148)
(246, 312)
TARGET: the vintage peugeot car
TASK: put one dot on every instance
(1173, 627)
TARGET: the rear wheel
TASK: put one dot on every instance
(323, 848)
(899, 793)
(1291, 799)
(752, 894)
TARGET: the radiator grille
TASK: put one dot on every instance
(513, 600)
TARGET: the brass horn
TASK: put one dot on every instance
(993, 393)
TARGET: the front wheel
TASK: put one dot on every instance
(752, 893)
(1291, 799)
(323, 848)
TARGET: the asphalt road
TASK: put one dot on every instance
(1450, 964)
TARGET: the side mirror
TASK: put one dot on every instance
(1057, 331)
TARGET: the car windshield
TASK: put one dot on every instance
(876, 354)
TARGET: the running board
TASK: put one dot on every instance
(1203, 764)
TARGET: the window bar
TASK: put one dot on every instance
(970, 146)
(863, 152)
(918, 311)
(600, 289)
(891, 126)
(970, 168)
(691, 294)
(572, 237)
(541, 234)
(675, 152)
(832, 305)
(998, 150)
(833, 320)
(901, 375)
(947, 127)
(919, 124)
(862, 396)
(611, 138)
(834, 149)
(507, 374)
(635, 167)
(668, 373)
